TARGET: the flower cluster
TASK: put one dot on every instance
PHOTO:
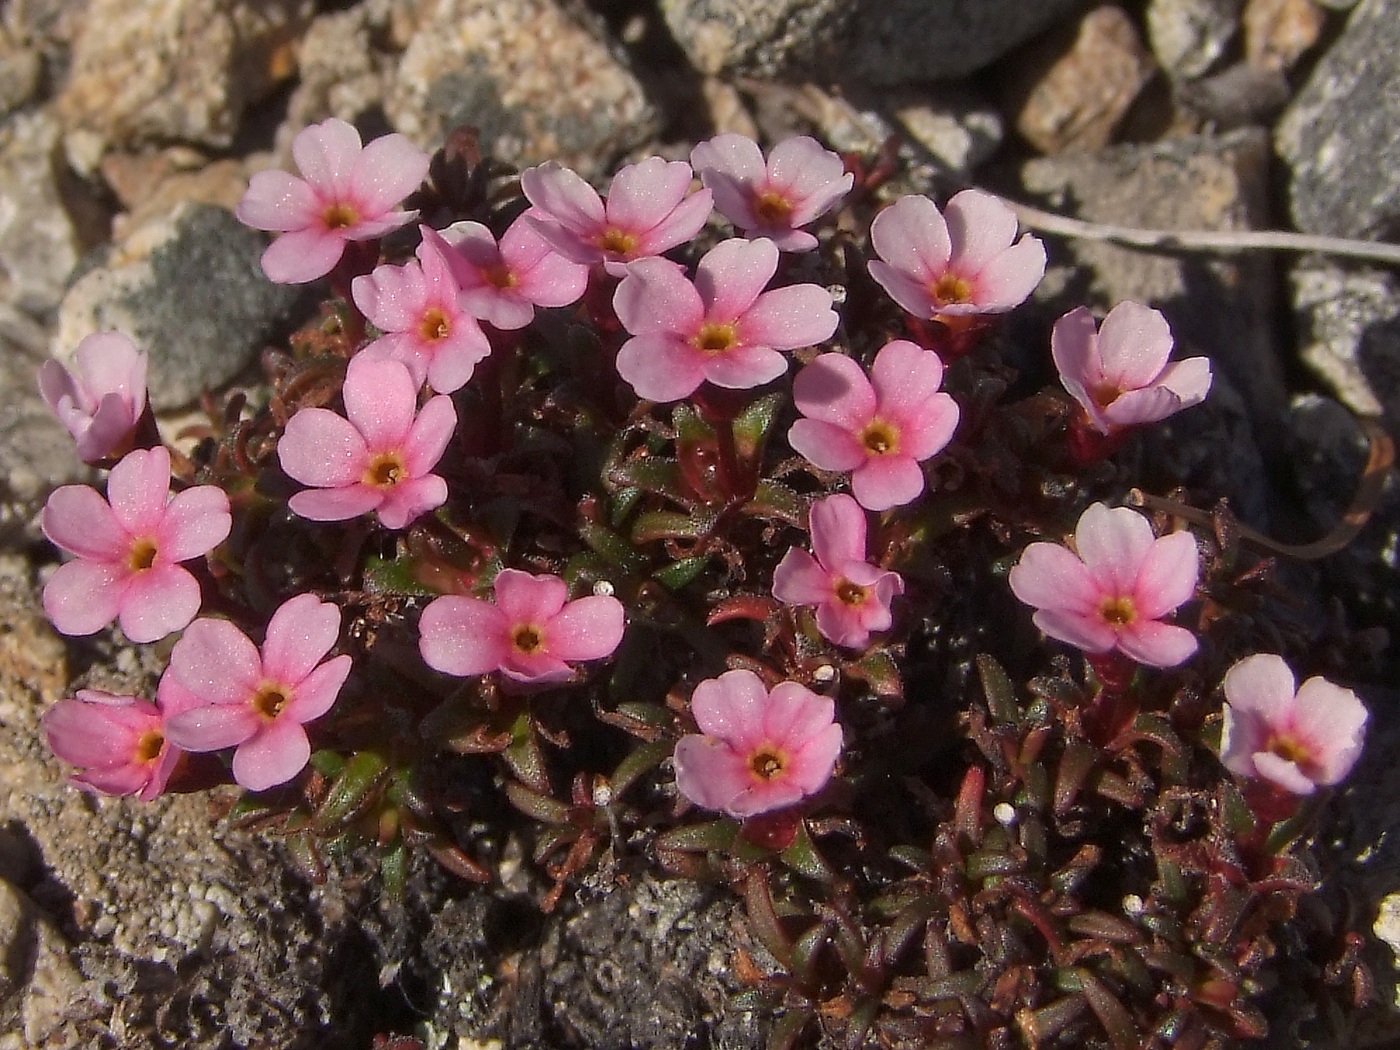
(689, 494)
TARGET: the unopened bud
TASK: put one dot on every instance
(603, 588)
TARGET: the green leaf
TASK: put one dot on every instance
(763, 918)
(353, 791)
(754, 425)
(327, 763)
(639, 761)
(878, 670)
(611, 546)
(523, 754)
(393, 870)
(804, 858)
(621, 506)
(716, 835)
(653, 474)
(669, 525)
(534, 804)
(777, 502)
(997, 687)
(394, 576)
(680, 573)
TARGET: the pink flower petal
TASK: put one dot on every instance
(980, 228)
(709, 772)
(904, 376)
(641, 195)
(526, 598)
(729, 166)
(196, 521)
(391, 297)
(212, 727)
(882, 482)
(463, 636)
(1134, 344)
(158, 601)
(80, 521)
(302, 255)
(814, 175)
(430, 435)
(380, 400)
(455, 357)
(732, 275)
(838, 529)
(1333, 719)
(552, 281)
(1157, 644)
(799, 580)
(1113, 543)
(912, 237)
(1083, 632)
(1074, 345)
(1009, 279)
(660, 367)
(683, 223)
(338, 504)
(323, 449)
(794, 714)
(409, 500)
(138, 489)
(1189, 380)
(215, 660)
(300, 633)
(744, 367)
(912, 296)
(1138, 407)
(277, 201)
(272, 756)
(325, 152)
(833, 389)
(1282, 772)
(586, 629)
(1243, 734)
(731, 707)
(563, 197)
(656, 298)
(787, 318)
(83, 597)
(317, 692)
(765, 797)
(108, 362)
(826, 446)
(928, 433)
(1049, 576)
(1167, 576)
(385, 172)
(811, 767)
(97, 734)
(843, 625)
(1261, 686)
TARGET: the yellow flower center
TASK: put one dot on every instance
(767, 762)
(950, 289)
(1117, 612)
(339, 216)
(500, 276)
(270, 700)
(851, 593)
(715, 338)
(614, 240)
(879, 438)
(527, 638)
(385, 471)
(434, 325)
(1289, 749)
(142, 554)
(772, 207)
(1104, 394)
(149, 745)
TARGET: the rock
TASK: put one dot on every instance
(343, 65)
(20, 70)
(188, 289)
(1223, 307)
(179, 70)
(1341, 134)
(538, 85)
(39, 244)
(1236, 97)
(1279, 32)
(1070, 89)
(1348, 320)
(877, 42)
(153, 185)
(36, 452)
(1190, 36)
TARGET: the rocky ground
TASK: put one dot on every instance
(127, 131)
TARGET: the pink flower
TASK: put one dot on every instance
(962, 264)
(530, 634)
(880, 428)
(347, 193)
(647, 212)
(257, 701)
(376, 460)
(128, 551)
(1114, 593)
(852, 597)
(101, 403)
(800, 181)
(427, 329)
(118, 742)
(502, 284)
(1298, 739)
(1120, 373)
(760, 750)
(723, 328)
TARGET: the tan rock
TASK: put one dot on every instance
(1279, 32)
(177, 70)
(538, 85)
(1072, 88)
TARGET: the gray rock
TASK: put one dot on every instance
(1190, 36)
(20, 69)
(39, 245)
(1348, 320)
(538, 84)
(1341, 134)
(1223, 307)
(180, 70)
(188, 289)
(36, 452)
(879, 42)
